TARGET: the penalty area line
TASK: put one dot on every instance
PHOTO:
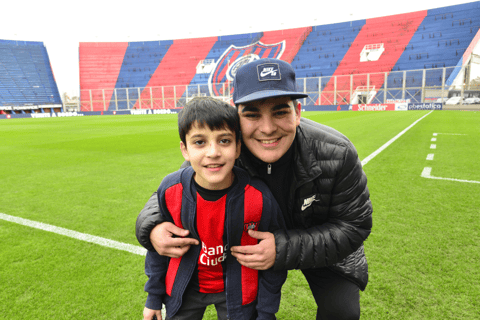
(388, 143)
(427, 173)
(76, 235)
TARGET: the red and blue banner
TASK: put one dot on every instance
(235, 57)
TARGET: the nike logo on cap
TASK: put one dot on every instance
(266, 71)
(269, 71)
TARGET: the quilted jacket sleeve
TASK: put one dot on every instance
(147, 219)
(349, 221)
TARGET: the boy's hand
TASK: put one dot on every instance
(168, 240)
(260, 256)
(148, 314)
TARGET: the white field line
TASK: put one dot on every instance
(376, 152)
(426, 173)
(450, 134)
(76, 235)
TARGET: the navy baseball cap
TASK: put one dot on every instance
(265, 78)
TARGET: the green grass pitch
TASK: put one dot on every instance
(94, 174)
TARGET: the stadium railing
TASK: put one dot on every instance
(415, 86)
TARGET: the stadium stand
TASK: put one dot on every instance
(338, 63)
(100, 65)
(27, 83)
(387, 33)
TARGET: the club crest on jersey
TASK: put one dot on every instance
(250, 226)
(220, 81)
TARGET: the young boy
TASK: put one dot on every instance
(218, 203)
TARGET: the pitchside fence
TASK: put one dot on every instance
(414, 86)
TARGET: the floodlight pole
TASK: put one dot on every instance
(443, 83)
(423, 85)
(335, 91)
(351, 84)
(151, 98)
(91, 101)
(116, 100)
(103, 96)
(385, 88)
(139, 98)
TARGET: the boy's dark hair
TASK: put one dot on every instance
(209, 111)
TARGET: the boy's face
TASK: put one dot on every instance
(269, 127)
(212, 155)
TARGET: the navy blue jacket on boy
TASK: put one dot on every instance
(249, 205)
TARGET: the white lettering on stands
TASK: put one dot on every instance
(372, 107)
(162, 111)
(59, 114)
(41, 115)
(69, 114)
(154, 111)
(137, 112)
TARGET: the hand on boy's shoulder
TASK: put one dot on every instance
(260, 256)
(169, 240)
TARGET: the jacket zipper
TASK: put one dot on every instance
(269, 168)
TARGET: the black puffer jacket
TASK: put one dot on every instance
(331, 209)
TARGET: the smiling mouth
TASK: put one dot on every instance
(211, 166)
(270, 141)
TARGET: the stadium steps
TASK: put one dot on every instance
(177, 67)
(324, 47)
(99, 64)
(394, 32)
(441, 39)
(138, 66)
(26, 74)
(294, 39)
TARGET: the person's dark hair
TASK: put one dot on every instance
(295, 102)
(209, 111)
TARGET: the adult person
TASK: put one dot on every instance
(316, 177)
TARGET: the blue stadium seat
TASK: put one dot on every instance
(26, 75)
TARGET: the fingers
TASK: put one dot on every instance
(149, 314)
(167, 239)
(180, 242)
(172, 252)
(260, 256)
(252, 261)
(167, 231)
(173, 229)
(167, 228)
(260, 235)
(251, 257)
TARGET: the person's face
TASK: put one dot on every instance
(212, 155)
(269, 126)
